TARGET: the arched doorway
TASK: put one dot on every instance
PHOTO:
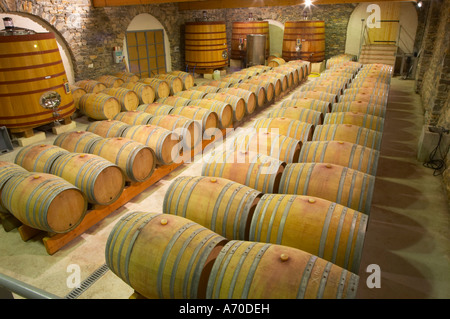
(28, 21)
(146, 46)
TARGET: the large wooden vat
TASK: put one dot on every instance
(206, 45)
(30, 66)
(311, 37)
(240, 31)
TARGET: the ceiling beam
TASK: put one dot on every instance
(121, 3)
(228, 4)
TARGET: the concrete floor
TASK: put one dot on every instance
(407, 236)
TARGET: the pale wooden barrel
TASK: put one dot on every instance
(259, 91)
(8, 170)
(107, 128)
(252, 270)
(134, 117)
(77, 93)
(136, 160)
(236, 102)
(305, 65)
(317, 95)
(285, 79)
(208, 119)
(175, 83)
(361, 119)
(335, 183)
(161, 87)
(205, 88)
(39, 157)
(110, 81)
(156, 108)
(36, 199)
(254, 170)
(224, 206)
(293, 128)
(222, 109)
(91, 86)
(298, 113)
(348, 133)
(284, 148)
(77, 141)
(269, 88)
(263, 79)
(127, 76)
(191, 94)
(361, 107)
(366, 97)
(309, 103)
(330, 88)
(128, 99)
(144, 91)
(248, 96)
(376, 90)
(162, 256)
(355, 156)
(186, 78)
(315, 225)
(189, 130)
(276, 62)
(99, 106)
(101, 181)
(163, 142)
(174, 100)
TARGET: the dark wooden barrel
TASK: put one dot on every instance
(311, 36)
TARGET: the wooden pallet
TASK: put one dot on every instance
(54, 242)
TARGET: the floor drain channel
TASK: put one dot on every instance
(89, 281)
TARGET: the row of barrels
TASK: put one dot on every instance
(102, 98)
(267, 222)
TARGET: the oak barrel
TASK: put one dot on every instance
(108, 128)
(348, 133)
(99, 106)
(222, 109)
(77, 141)
(39, 157)
(128, 99)
(240, 30)
(8, 170)
(134, 117)
(285, 126)
(145, 92)
(298, 113)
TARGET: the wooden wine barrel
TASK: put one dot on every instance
(39, 157)
(298, 113)
(365, 97)
(303, 64)
(99, 106)
(224, 206)
(369, 84)
(191, 94)
(207, 118)
(284, 148)
(240, 30)
(189, 130)
(361, 107)
(259, 91)
(317, 95)
(377, 90)
(101, 181)
(263, 79)
(156, 108)
(136, 160)
(107, 128)
(175, 83)
(335, 80)
(221, 83)
(145, 92)
(174, 101)
(320, 227)
(8, 170)
(284, 79)
(361, 119)
(269, 88)
(310, 34)
(329, 88)
(36, 199)
(31, 65)
(162, 256)
(223, 110)
(110, 81)
(254, 170)
(248, 96)
(134, 117)
(291, 73)
(205, 88)
(344, 185)
(206, 45)
(161, 87)
(187, 79)
(77, 93)
(276, 62)
(127, 76)
(293, 128)
(91, 86)
(348, 133)
(236, 102)
(364, 159)
(163, 142)
(309, 103)
(128, 99)
(252, 270)
(77, 141)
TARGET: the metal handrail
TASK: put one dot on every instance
(25, 290)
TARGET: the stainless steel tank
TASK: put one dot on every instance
(256, 49)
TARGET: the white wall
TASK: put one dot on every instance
(146, 21)
(34, 23)
(276, 32)
(408, 20)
